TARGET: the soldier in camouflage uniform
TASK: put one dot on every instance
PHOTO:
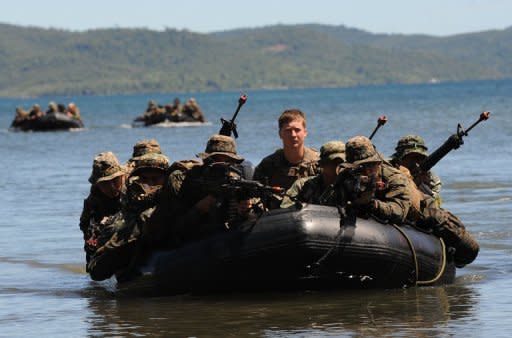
(372, 186)
(190, 207)
(141, 148)
(294, 160)
(124, 231)
(375, 188)
(410, 151)
(107, 184)
(318, 189)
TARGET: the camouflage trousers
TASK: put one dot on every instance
(450, 228)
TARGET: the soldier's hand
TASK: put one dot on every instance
(205, 204)
(244, 207)
(364, 198)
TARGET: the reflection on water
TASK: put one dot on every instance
(408, 312)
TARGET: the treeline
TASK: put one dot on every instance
(37, 61)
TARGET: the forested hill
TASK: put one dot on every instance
(37, 61)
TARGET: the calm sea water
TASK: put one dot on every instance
(44, 290)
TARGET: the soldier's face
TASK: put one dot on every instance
(113, 187)
(412, 160)
(293, 134)
(329, 171)
(152, 176)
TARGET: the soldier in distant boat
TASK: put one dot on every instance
(192, 109)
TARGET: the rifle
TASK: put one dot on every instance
(227, 180)
(380, 122)
(453, 142)
(229, 127)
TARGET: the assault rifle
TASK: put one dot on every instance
(453, 142)
(229, 127)
(226, 180)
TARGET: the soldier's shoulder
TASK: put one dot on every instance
(311, 154)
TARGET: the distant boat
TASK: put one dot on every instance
(48, 122)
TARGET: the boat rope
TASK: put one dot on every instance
(413, 251)
(415, 258)
(441, 270)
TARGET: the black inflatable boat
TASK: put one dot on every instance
(165, 120)
(299, 249)
(49, 122)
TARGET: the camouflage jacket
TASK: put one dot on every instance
(275, 170)
(96, 207)
(390, 202)
(310, 190)
(431, 185)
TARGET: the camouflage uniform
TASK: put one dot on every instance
(141, 148)
(429, 183)
(121, 233)
(275, 170)
(185, 188)
(388, 198)
(97, 205)
(313, 189)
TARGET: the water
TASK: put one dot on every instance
(44, 290)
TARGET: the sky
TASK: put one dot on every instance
(432, 17)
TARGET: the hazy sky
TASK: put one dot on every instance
(436, 17)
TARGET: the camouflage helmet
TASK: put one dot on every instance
(220, 145)
(410, 144)
(151, 161)
(105, 167)
(145, 147)
(332, 150)
(360, 150)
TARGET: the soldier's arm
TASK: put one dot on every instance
(293, 193)
(86, 216)
(396, 202)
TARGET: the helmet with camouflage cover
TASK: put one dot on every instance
(105, 167)
(331, 151)
(410, 144)
(220, 145)
(360, 150)
(145, 147)
(151, 161)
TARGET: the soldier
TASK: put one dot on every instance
(294, 160)
(107, 183)
(141, 148)
(410, 152)
(375, 188)
(73, 111)
(319, 189)
(52, 108)
(36, 112)
(21, 115)
(190, 204)
(372, 186)
(192, 109)
(117, 243)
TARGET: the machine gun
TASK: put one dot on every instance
(453, 142)
(229, 127)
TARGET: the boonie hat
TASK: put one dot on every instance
(105, 167)
(332, 150)
(410, 144)
(360, 150)
(220, 145)
(144, 147)
(153, 161)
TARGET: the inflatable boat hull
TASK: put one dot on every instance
(304, 248)
(49, 122)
